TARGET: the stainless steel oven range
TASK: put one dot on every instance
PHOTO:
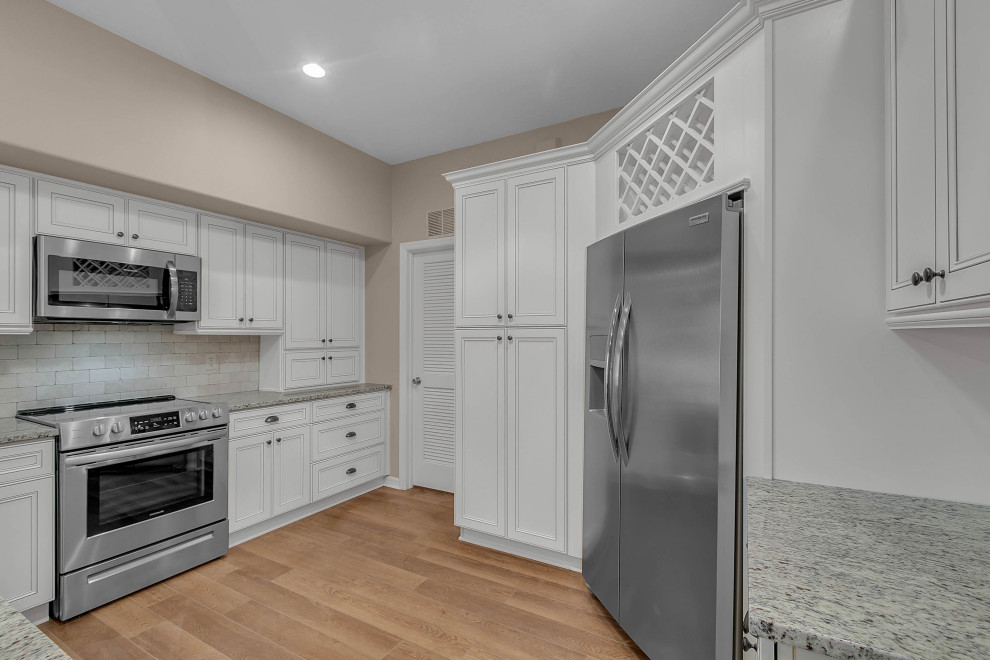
(141, 494)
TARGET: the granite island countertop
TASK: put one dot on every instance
(860, 575)
(259, 399)
(21, 640)
(16, 430)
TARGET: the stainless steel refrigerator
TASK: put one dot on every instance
(662, 452)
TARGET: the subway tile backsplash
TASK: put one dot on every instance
(74, 363)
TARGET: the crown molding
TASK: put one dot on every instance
(743, 21)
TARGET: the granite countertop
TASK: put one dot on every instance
(21, 640)
(859, 575)
(257, 399)
(16, 430)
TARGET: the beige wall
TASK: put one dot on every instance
(418, 187)
(83, 103)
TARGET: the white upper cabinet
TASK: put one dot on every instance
(83, 213)
(535, 249)
(480, 255)
(241, 288)
(158, 227)
(305, 302)
(343, 296)
(15, 251)
(222, 289)
(263, 255)
(92, 214)
(510, 254)
(938, 230)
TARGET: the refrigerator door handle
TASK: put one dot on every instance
(617, 377)
(609, 364)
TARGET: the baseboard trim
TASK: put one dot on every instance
(270, 525)
(396, 483)
(521, 550)
(37, 614)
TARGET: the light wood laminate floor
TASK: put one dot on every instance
(379, 576)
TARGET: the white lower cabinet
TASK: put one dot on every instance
(27, 518)
(269, 475)
(511, 434)
(281, 460)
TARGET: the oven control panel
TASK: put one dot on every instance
(155, 422)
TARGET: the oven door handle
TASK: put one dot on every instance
(118, 455)
(173, 289)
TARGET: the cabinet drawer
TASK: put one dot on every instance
(268, 419)
(27, 461)
(333, 438)
(351, 405)
(337, 474)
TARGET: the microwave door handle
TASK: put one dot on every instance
(148, 451)
(173, 288)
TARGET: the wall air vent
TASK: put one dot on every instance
(440, 223)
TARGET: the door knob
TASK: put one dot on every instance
(417, 380)
(930, 274)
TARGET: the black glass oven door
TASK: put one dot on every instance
(130, 492)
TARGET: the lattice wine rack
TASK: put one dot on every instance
(673, 156)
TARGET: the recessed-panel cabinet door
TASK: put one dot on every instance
(263, 279)
(912, 122)
(222, 287)
(27, 513)
(964, 251)
(343, 296)
(479, 497)
(305, 305)
(291, 469)
(15, 252)
(305, 369)
(76, 212)
(480, 255)
(536, 436)
(250, 478)
(343, 367)
(158, 227)
(534, 249)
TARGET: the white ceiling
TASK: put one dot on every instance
(411, 78)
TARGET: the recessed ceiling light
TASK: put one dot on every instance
(314, 70)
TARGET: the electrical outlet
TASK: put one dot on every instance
(211, 360)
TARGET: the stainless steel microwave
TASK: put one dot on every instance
(85, 281)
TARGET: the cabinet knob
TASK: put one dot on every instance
(351, 470)
(135, 236)
(278, 439)
(324, 340)
(498, 316)
(251, 320)
(330, 340)
(510, 337)
(510, 316)
(930, 274)
(916, 278)
(268, 442)
(120, 234)
(324, 357)
(499, 338)
(241, 320)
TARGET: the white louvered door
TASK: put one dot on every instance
(432, 399)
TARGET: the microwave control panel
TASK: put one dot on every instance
(188, 291)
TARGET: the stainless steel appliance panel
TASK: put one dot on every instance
(96, 585)
(676, 419)
(142, 498)
(600, 563)
(83, 280)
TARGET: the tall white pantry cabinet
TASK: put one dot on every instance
(511, 385)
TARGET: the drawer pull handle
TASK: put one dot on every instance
(350, 406)
(351, 434)
(271, 419)
(351, 470)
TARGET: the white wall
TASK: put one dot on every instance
(856, 404)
